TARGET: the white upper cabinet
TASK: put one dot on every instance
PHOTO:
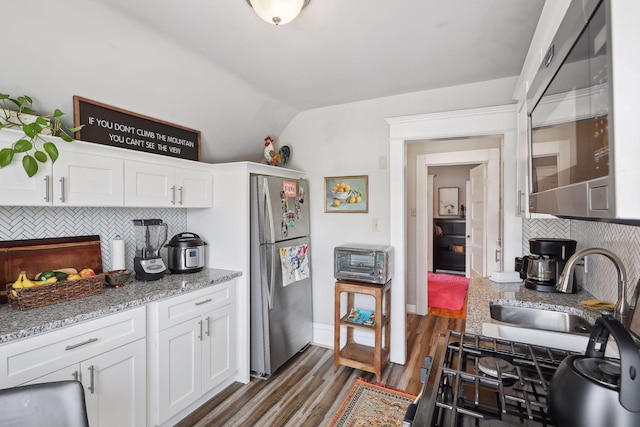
(74, 180)
(151, 184)
(87, 174)
(87, 180)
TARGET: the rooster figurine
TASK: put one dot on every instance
(270, 154)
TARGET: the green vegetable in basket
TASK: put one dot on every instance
(47, 274)
(61, 275)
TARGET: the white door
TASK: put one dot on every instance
(88, 180)
(180, 360)
(193, 188)
(115, 386)
(218, 357)
(149, 184)
(17, 189)
(476, 221)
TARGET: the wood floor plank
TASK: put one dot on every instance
(307, 392)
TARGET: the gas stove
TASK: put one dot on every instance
(487, 382)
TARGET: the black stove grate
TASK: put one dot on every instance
(514, 392)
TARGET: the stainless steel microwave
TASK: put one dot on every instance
(579, 167)
(363, 263)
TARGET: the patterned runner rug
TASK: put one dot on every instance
(372, 405)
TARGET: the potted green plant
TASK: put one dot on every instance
(18, 113)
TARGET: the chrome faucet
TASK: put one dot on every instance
(565, 283)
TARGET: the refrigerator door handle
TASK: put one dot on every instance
(272, 274)
(269, 211)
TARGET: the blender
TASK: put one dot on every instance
(150, 237)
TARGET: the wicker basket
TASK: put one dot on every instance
(40, 296)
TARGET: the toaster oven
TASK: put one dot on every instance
(363, 263)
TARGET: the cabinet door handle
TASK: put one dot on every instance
(200, 325)
(62, 189)
(91, 379)
(75, 376)
(46, 188)
(180, 199)
(173, 194)
(203, 302)
(80, 344)
(206, 320)
(519, 202)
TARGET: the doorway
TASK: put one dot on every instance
(499, 120)
(485, 236)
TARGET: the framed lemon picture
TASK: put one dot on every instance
(346, 194)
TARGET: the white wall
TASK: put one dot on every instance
(80, 47)
(353, 139)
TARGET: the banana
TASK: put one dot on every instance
(18, 284)
(26, 283)
(53, 279)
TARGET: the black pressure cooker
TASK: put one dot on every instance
(590, 390)
(185, 253)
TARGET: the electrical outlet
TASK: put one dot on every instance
(376, 224)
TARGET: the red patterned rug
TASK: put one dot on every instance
(370, 404)
(447, 291)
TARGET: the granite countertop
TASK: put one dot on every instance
(482, 291)
(16, 324)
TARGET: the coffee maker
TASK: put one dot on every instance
(542, 269)
(150, 237)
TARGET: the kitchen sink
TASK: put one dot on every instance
(542, 327)
(537, 318)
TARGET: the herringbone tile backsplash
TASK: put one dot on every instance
(601, 277)
(18, 223)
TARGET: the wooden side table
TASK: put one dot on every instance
(355, 355)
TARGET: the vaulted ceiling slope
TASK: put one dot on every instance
(215, 66)
(340, 51)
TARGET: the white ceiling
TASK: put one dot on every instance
(340, 51)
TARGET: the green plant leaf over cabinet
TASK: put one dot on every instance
(18, 113)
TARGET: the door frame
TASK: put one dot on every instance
(499, 120)
(424, 215)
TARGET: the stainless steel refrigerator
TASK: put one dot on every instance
(281, 308)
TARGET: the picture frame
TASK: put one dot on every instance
(448, 201)
(354, 200)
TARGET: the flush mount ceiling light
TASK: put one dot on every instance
(278, 12)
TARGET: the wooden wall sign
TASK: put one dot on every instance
(104, 124)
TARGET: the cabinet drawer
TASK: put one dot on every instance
(24, 360)
(176, 310)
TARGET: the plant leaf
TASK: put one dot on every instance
(40, 156)
(57, 113)
(30, 165)
(3, 96)
(29, 130)
(6, 156)
(22, 146)
(52, 150)
(64, 136)
(41, 121)
(76, 129)
(28, 110)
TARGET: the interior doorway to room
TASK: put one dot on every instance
(405, 132)
(483, 232)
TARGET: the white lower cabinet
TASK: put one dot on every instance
(193, 349)
(108, 355)
(114, 385)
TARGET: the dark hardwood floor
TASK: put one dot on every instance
(307, 392)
